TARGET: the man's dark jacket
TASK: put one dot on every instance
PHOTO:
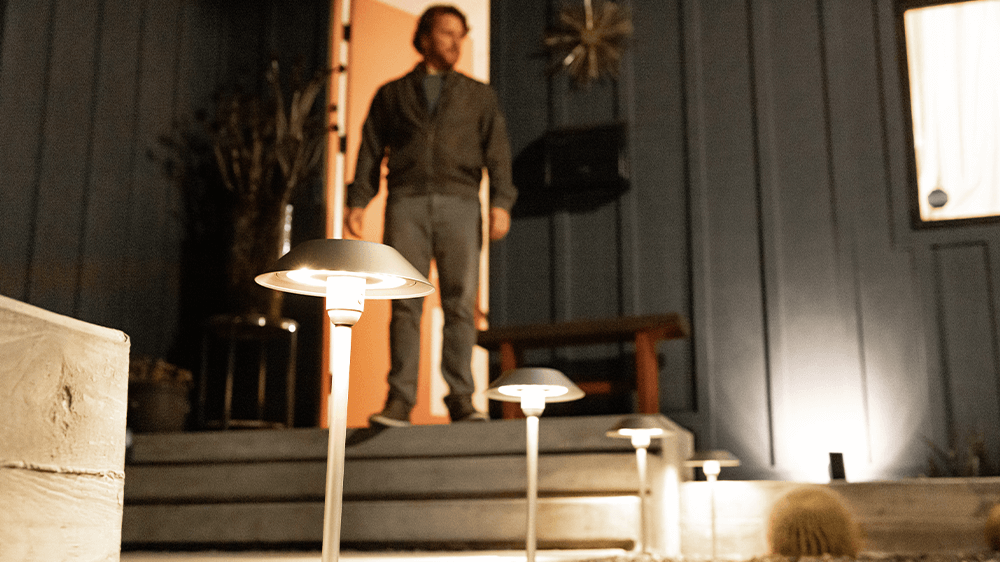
(442, 152)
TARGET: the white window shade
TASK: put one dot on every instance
(953, 58)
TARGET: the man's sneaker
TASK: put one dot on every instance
(460, 409)
(395, 414)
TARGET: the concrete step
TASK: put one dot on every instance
(461, 488)
(416, 556)
(456, 486)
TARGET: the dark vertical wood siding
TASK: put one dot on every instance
(769, 201)
(728, 286)
(963, 280)
(89, 226)
(24, 83)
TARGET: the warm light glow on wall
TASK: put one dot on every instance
(832, 392)
(819, 397)
(832, 426)
(813, 443)
(879, 429)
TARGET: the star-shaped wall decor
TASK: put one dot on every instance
(589, 41)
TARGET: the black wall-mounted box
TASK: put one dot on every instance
(586, 159)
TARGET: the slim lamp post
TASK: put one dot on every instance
(346, 273)
(711, 463)
(641, 429)
(533, 387)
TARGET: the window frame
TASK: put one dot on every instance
(913, 190)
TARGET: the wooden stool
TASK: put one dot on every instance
(644, 331)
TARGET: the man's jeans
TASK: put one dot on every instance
(447, 228)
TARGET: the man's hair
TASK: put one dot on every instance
(426, 22)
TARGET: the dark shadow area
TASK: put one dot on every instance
(573, 169)
(360, 435)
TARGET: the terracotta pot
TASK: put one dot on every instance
(157, 407)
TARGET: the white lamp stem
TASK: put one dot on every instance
(532, 438)
(640, 461)
(340, 369)
(711, 498)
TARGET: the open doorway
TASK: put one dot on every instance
(380, 49)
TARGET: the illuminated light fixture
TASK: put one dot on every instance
(641, 429)
(318, 279)
(533, 387)
(346, 272)
(711, 463)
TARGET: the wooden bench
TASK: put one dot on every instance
(644, 331)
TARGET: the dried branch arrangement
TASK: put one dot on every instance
(298, 137)
(240, 169)
(254, 138)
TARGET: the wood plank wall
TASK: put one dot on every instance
(89, 227)
(624, 257)
(769, 201)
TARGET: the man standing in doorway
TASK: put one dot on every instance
(439, 130)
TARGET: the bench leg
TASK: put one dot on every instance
(647, 373)
(508, 357)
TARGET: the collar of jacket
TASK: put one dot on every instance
(416, 82)
(419, 71)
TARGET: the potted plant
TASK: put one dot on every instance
(158, 395)
(238, 172)
(237, 168)
(265, 149)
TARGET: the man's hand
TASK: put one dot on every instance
(354, 218)
(499, 223)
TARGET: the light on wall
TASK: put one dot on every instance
(533, 387)
(641, 429)
(346, 272)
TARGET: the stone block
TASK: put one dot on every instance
(63, 394)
